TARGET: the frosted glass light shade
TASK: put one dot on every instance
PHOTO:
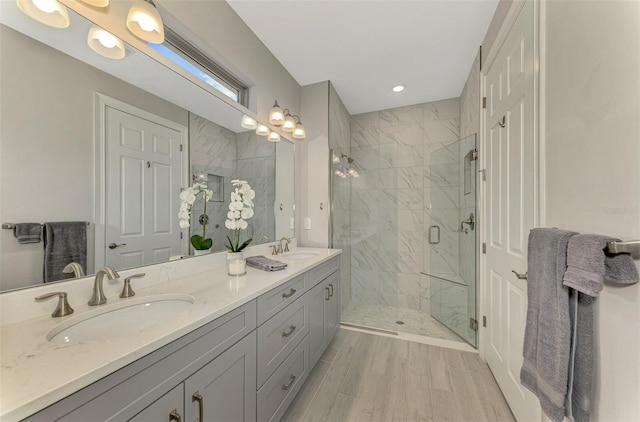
(262, 130)
(276, 116)
(97, 3)
(105, 43)
(145, 22)
(273, 137)
(289, 124)
(248, 122)
(299, 132)
(48, 12)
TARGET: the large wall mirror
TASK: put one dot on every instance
(111, 143)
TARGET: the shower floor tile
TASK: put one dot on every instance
(385, 317)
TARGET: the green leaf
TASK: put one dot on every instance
(244, 245)
(201, 244)
(230, 247)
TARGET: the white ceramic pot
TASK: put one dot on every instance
(198, 252)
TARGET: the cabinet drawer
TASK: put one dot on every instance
(277, 299)
(279, 391)
(323, 270)
(280, 335)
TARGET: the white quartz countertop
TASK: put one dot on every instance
(35, 373)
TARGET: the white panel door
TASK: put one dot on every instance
(509, 206)
(144, 168)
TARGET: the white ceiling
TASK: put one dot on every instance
(366, 47)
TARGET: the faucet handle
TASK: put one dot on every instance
(127, 291)
(63, 308)
(274, 249)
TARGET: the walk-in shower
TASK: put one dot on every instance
(408, 235)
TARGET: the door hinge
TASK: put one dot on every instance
(474, 155)
(484, 174)
(180, 235)
(473, 324)
(484, 320)
(484, 247)
(484, 102)
(180, 147)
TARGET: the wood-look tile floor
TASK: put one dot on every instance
(366, 377)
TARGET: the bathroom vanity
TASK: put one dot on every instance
(241, 351)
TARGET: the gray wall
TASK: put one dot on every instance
(592, 159)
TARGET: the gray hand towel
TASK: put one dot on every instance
(64, 242)
(261, 262)
(547, 337)
(588, 265)
(28, 232)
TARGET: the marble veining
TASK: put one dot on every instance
(27, 355)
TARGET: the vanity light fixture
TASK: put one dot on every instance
(289, 124)
(144, 22)
(273, 137)
(249, 122)
(276, 116)
(105, 43)
(97, 3)
(299, 132)
(262, 130)
(48, 12)
(398, 88)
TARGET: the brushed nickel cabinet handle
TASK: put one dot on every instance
(292, 328)
(331, 290)
(292, 379)
(175, 416)
(328, 296)
(288, 295)
(198, 398)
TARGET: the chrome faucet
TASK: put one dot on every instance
(98, 297)
(286, 245)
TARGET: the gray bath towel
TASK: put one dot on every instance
(588, 264)
(28, 232)
(547, 338)
(261, 262)
(64, 242)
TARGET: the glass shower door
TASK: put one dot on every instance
(451, 237)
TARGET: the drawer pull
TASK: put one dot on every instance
(331, 291)
(292, 328)
(328, 296)
(292, 379)
(288, 295)
(175, 416)
(197, 397)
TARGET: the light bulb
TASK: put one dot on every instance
(47, 6)
(398, 88)
(289, 124)
(262, 130)
(144, 21)
(276, 117)
(105, 43)
(248, 122)
(273, 137)
(299, 132)
(107, 39)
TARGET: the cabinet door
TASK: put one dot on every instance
(169, 407)
(225, 388)
(333, 305)
(318, 340)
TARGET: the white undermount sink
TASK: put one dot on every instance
(299, 255)
(120, 319)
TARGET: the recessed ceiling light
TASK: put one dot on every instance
(398, 88)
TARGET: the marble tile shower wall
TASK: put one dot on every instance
(219, 151)
(390, 201)
(339, 142)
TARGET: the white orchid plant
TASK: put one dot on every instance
(188, 197)
(240, 210)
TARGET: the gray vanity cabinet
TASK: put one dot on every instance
(324, 306)
(225, 389)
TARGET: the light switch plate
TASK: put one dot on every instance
(307, 223)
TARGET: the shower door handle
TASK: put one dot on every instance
(431, 239)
